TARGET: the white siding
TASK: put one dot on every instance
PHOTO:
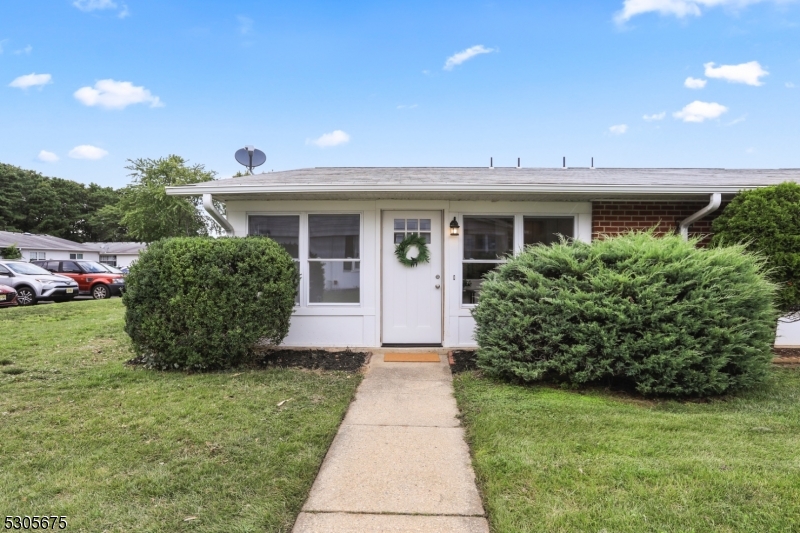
(59, 255)
(788, 335)
(358, 325)
(125, 260)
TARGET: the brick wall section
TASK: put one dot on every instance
(614, 217)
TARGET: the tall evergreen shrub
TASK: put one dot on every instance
(202, 303)
(767, 220)
(10, 252)
(657, 314)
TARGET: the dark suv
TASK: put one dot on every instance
(93, 278)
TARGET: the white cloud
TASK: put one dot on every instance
(464, 55)
(31, 80)
(790, 85)
(333, 138)
(1, 45)
(112, 94)
(619, 129)
(245, 25)
(680, 8)
(737, 121)
(699, 111)
(655, 116)
(748, 73)
(406, 106)
(87, 151)
(100, 5)
(27, 51)
(47, 157)
(94, 5)
(694, 83)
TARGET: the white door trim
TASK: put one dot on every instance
(386, 253)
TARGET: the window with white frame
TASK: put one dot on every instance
(283, 229)
(490, 239)
(76, 256)
(37, 256)
(334, 273)
(110, 260)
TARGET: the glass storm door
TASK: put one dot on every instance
(412, 296)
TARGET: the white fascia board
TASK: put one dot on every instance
(495, 188)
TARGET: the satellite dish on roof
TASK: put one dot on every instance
(250, 157)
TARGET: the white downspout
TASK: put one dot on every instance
(713, 205)
(208, 205)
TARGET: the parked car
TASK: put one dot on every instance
(8, 296)
(34, 283)
(112, 269)
(92, 277)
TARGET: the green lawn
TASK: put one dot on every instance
(554, 460)
(116, 448)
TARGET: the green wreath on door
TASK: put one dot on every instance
(401, 251)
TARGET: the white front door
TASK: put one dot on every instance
(412, 296)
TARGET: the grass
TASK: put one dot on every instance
(560, 461)
(116, 448)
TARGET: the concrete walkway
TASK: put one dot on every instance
(399, 462)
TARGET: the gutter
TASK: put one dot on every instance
(305, 188)
(208, 205)
(713, 205)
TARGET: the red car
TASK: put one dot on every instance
(92, 278)
(8, 296)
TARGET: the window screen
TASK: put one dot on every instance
(283, 229)
(489, 238)
(487, 242)
(334, 249)
(546, 230)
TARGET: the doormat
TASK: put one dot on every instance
(411, 357)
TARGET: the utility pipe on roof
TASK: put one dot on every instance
(713, 205)
(208, 205)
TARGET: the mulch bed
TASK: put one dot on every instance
(347, 361)
(462, 361)
(786, 356)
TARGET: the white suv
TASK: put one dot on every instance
(34, 283)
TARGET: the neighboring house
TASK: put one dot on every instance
(39, 247)
(341, 226)
(117, 254)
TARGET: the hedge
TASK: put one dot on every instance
(767, 220)
(659, 315)
(201, 303)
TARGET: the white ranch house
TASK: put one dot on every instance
(38, 247)
(117, 254)
(34, 246)
(341, 225)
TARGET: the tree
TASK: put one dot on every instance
(149, 214)
(62, 208)
(767, 220)
(105, 224)
(10, 252)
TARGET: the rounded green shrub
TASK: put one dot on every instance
(201, 303)
(656, 314)
(767, 220)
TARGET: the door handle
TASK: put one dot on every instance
(438, 286)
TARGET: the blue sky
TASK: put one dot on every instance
(356, 83)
